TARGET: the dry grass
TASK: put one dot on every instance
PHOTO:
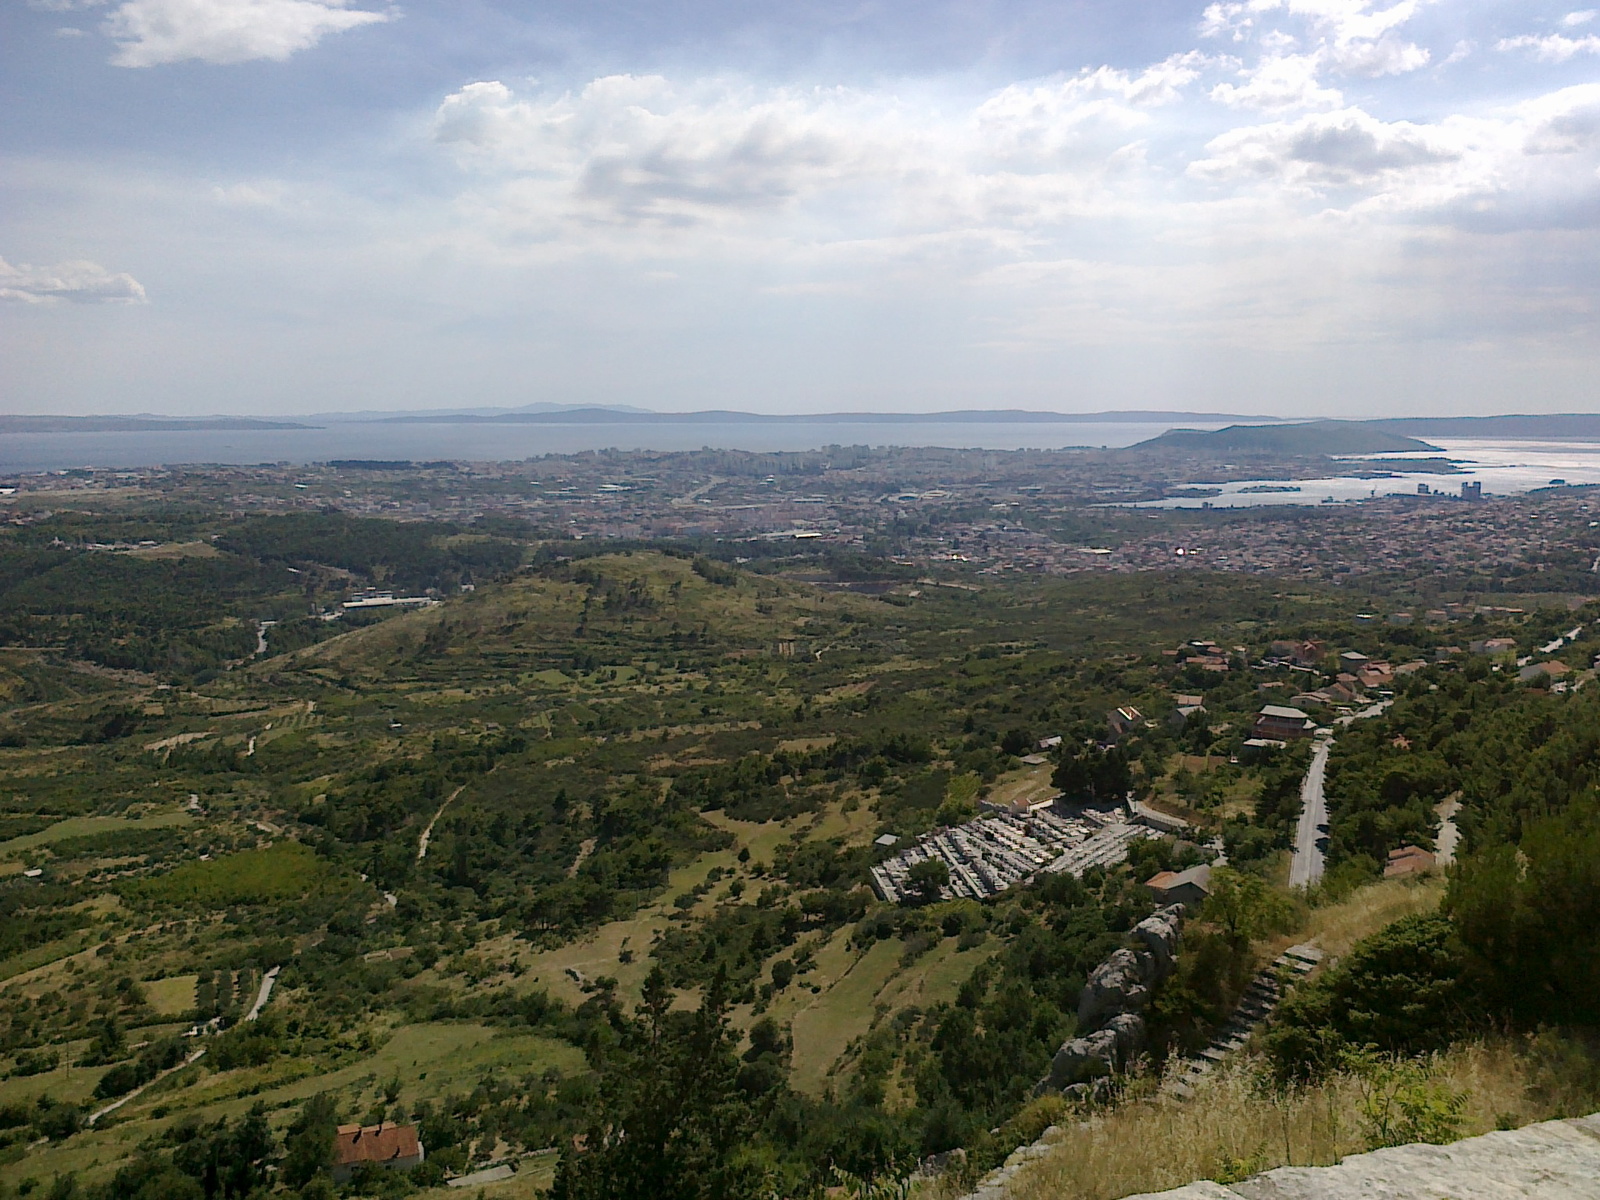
(1027, 786)
(1337, 927)
(171, 997)
(1235, 1126)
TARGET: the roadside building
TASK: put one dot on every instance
(1179, 717)
(1310, 652)
(1280, 723)
(1408, 860)
(395, 1147)
(1181, 887)
(1544, 671)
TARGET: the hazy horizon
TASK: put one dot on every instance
(1303, 208)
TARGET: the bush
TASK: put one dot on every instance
(1398, 991)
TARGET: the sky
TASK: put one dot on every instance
(1303, 207)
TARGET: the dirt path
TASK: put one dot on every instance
(585, 848)
(1449, 836)
(116, 1104)
(422, 846)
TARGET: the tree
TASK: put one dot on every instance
(1243, 906)
(1525, 917)
(1397, 990)
(927, 877)
(308, 1144)
(669, 1122)
(150, 1178)
(226, 1162)
(1094, 774)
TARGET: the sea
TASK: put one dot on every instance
(494, 442)
(1502, 466)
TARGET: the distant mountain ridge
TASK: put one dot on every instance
(141, 423)
(597, 415)
(1551, 426)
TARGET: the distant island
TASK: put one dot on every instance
(1308, 438)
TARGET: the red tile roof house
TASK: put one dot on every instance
(1408, 860)
(1181, 887)
(394, 1146)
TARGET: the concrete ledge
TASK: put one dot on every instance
(1555, 1160)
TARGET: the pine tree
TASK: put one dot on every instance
(669, 1122)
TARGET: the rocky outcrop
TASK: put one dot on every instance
(1554, 1160)
(1085, 1058)
(1118, 985)
(1113, 1032)
(1158, 933)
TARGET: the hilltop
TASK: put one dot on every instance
(1309, 438)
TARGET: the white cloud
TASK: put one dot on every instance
(77, 282)
(1385, 56)
(1087, 116)
(1562, 122)
(638, 148)
(154, 32)
(1339, 149)
(1279, 84)
(1581, 17)
(1523, 167)
(1352, 35)
(1553, 47)
(637, 152)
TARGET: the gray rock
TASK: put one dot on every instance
(1554, 1160)
(1115, 986)
(1084, 1058)
(1158, 934)
(1130, 1031)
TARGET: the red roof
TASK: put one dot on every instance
(1408, 860)
(374, 1143)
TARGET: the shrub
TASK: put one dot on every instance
(1398, 990)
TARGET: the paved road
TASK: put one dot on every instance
(1306, 868)
(1449, 836)
(265, 994)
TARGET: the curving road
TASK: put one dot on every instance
(1306, 867)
